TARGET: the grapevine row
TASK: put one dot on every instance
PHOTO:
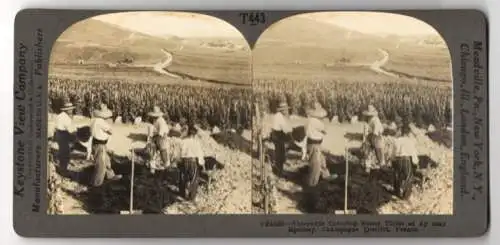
(232, 107)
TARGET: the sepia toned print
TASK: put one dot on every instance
(354, 116)
(144, 112)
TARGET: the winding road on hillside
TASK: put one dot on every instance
(378, 65)
(160, 66)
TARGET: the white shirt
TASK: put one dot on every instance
(65, 123)
(190, 147)
(160, 127)
(314, 129)
(99, 128)
(405, 147)
(375, 126)
(280, 123)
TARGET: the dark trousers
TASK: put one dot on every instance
(279, 139)
(188, 177)
(64, 141)
(403, 176)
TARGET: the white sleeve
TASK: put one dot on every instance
(414, 155)
(68, 125)
(276, 122)
(183, 148)
(199, 153)
(397, 146)
(105, 126)
(378, 129)
(308, 128)
(285, 125)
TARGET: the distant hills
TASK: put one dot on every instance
(297, 42)
(94, 41)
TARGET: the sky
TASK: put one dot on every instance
(196, 25)
(376, 23)
(168, 23)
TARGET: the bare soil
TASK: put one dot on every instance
(432, 194)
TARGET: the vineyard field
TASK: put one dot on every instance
(424, 105)
(225, 107)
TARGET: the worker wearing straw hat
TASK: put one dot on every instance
(101, 131)
(280, 133)
(64, 134)
(375, 130)
(315, 132)
(159, 133)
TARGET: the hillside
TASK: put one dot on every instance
(90, 44)
(94, 41)
(309, 48)
(301, 48)
(313, 32)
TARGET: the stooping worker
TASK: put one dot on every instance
(159, 133)
(64, 134)
(406, 156)
(315, 131)
(375, 131)
(101, 131)
(280, 134)
(192, 158)
(182, 125)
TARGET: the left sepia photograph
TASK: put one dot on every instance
(150, 112)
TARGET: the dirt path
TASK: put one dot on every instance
(378, 65)
(160, 66)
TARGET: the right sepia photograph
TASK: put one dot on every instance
(353, 116)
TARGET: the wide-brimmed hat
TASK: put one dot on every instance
(282, 106)
(103, 112)
(67, 106)
(317, 111)
(371, 111)
(175, 131)
(156, 112)
(177, 128)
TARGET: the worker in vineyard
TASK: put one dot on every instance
(183, 125)
(159, 133)
(406, 155)
(315, 131)
(192, 158)
(64, 134)
(375, 131)
(101, 131)
(280, 134)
